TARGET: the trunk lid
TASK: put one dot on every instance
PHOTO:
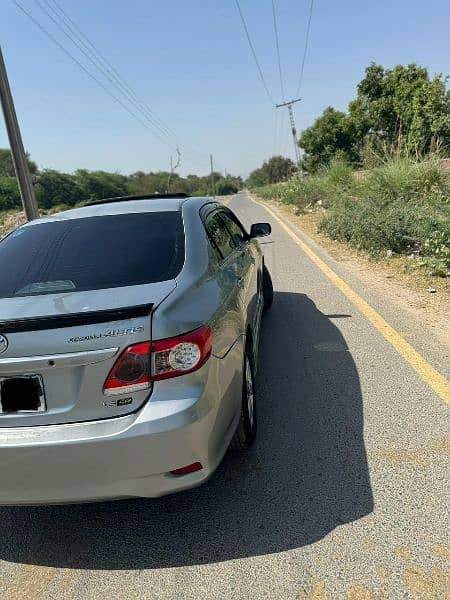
(69, 342)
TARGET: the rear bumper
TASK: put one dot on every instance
(115, 458)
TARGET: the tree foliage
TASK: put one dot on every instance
(149, 183)
(274, 170)
(401, 109)
(54, 188)
(331, 136)
(7, 166)
(9, 193)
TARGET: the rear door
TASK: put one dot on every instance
(229, 321)
(247, 267)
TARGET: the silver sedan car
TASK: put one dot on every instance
(128, 347)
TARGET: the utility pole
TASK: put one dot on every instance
(293, 129)
(213, 184)
(173, 167)
(17, 150)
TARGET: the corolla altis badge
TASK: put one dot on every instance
(3, 344)
(104, 334)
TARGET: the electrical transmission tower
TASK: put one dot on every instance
(293, 129)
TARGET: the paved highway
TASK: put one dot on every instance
(344, 494)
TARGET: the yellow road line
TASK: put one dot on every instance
(428, 373)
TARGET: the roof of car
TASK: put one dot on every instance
(123, 205)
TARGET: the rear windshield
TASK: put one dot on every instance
(91, 253)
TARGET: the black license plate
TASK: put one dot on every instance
(22, 394)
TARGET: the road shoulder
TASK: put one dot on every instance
(430, 310)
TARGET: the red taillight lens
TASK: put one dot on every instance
(131, 371)
(140, 364)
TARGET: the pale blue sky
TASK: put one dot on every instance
(190, 62)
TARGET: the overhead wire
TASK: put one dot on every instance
(92, 59)
(305, 49)
(255, 57)
(107, 68)
(135, 111)
(83, 68)
(277, 46)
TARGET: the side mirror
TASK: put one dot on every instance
(260, 230)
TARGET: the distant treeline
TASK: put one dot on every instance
(54, 188)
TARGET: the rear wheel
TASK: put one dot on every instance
(267, 288)
(246, 432)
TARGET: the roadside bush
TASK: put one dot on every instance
(313, 190)
(9, 193)
(402, 207)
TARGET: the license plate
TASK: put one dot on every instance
(24, 394)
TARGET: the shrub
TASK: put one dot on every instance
(401, 207)
(9, 193)
(321, 189)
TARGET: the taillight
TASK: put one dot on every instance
(182, 354)
(142, 363)
(131, 371)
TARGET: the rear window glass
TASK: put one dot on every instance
(91, 253)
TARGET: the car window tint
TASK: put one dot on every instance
(91, 253)
(219, 235)
(236, 231)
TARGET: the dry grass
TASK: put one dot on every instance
(10, 220)
(402, 268)
(393, 278)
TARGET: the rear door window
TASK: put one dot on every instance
(91, 253)
(236, 230)
(219, 235)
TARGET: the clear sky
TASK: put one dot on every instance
(189, 61)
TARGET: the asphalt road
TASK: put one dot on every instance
(344, 494)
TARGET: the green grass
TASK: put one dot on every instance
(400, 207)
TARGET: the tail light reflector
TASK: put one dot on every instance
(142, 363)
(188, 469)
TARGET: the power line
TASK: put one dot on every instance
(94, 61)
(121, 81)
(275, 138)
(93, 77)
(105, 65)
(305, 50)
(277, 45)
(252, 48)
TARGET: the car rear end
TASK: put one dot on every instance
(79, 365)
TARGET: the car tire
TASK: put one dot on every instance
(246, 431)
(267, 289)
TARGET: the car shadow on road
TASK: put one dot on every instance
(306, 475)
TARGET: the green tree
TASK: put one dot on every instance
(404, 106)
(7, 166)
(274, 170)
(400, 109)
(9, 193)
(331, 136)
(53, 188)
(95, 185)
